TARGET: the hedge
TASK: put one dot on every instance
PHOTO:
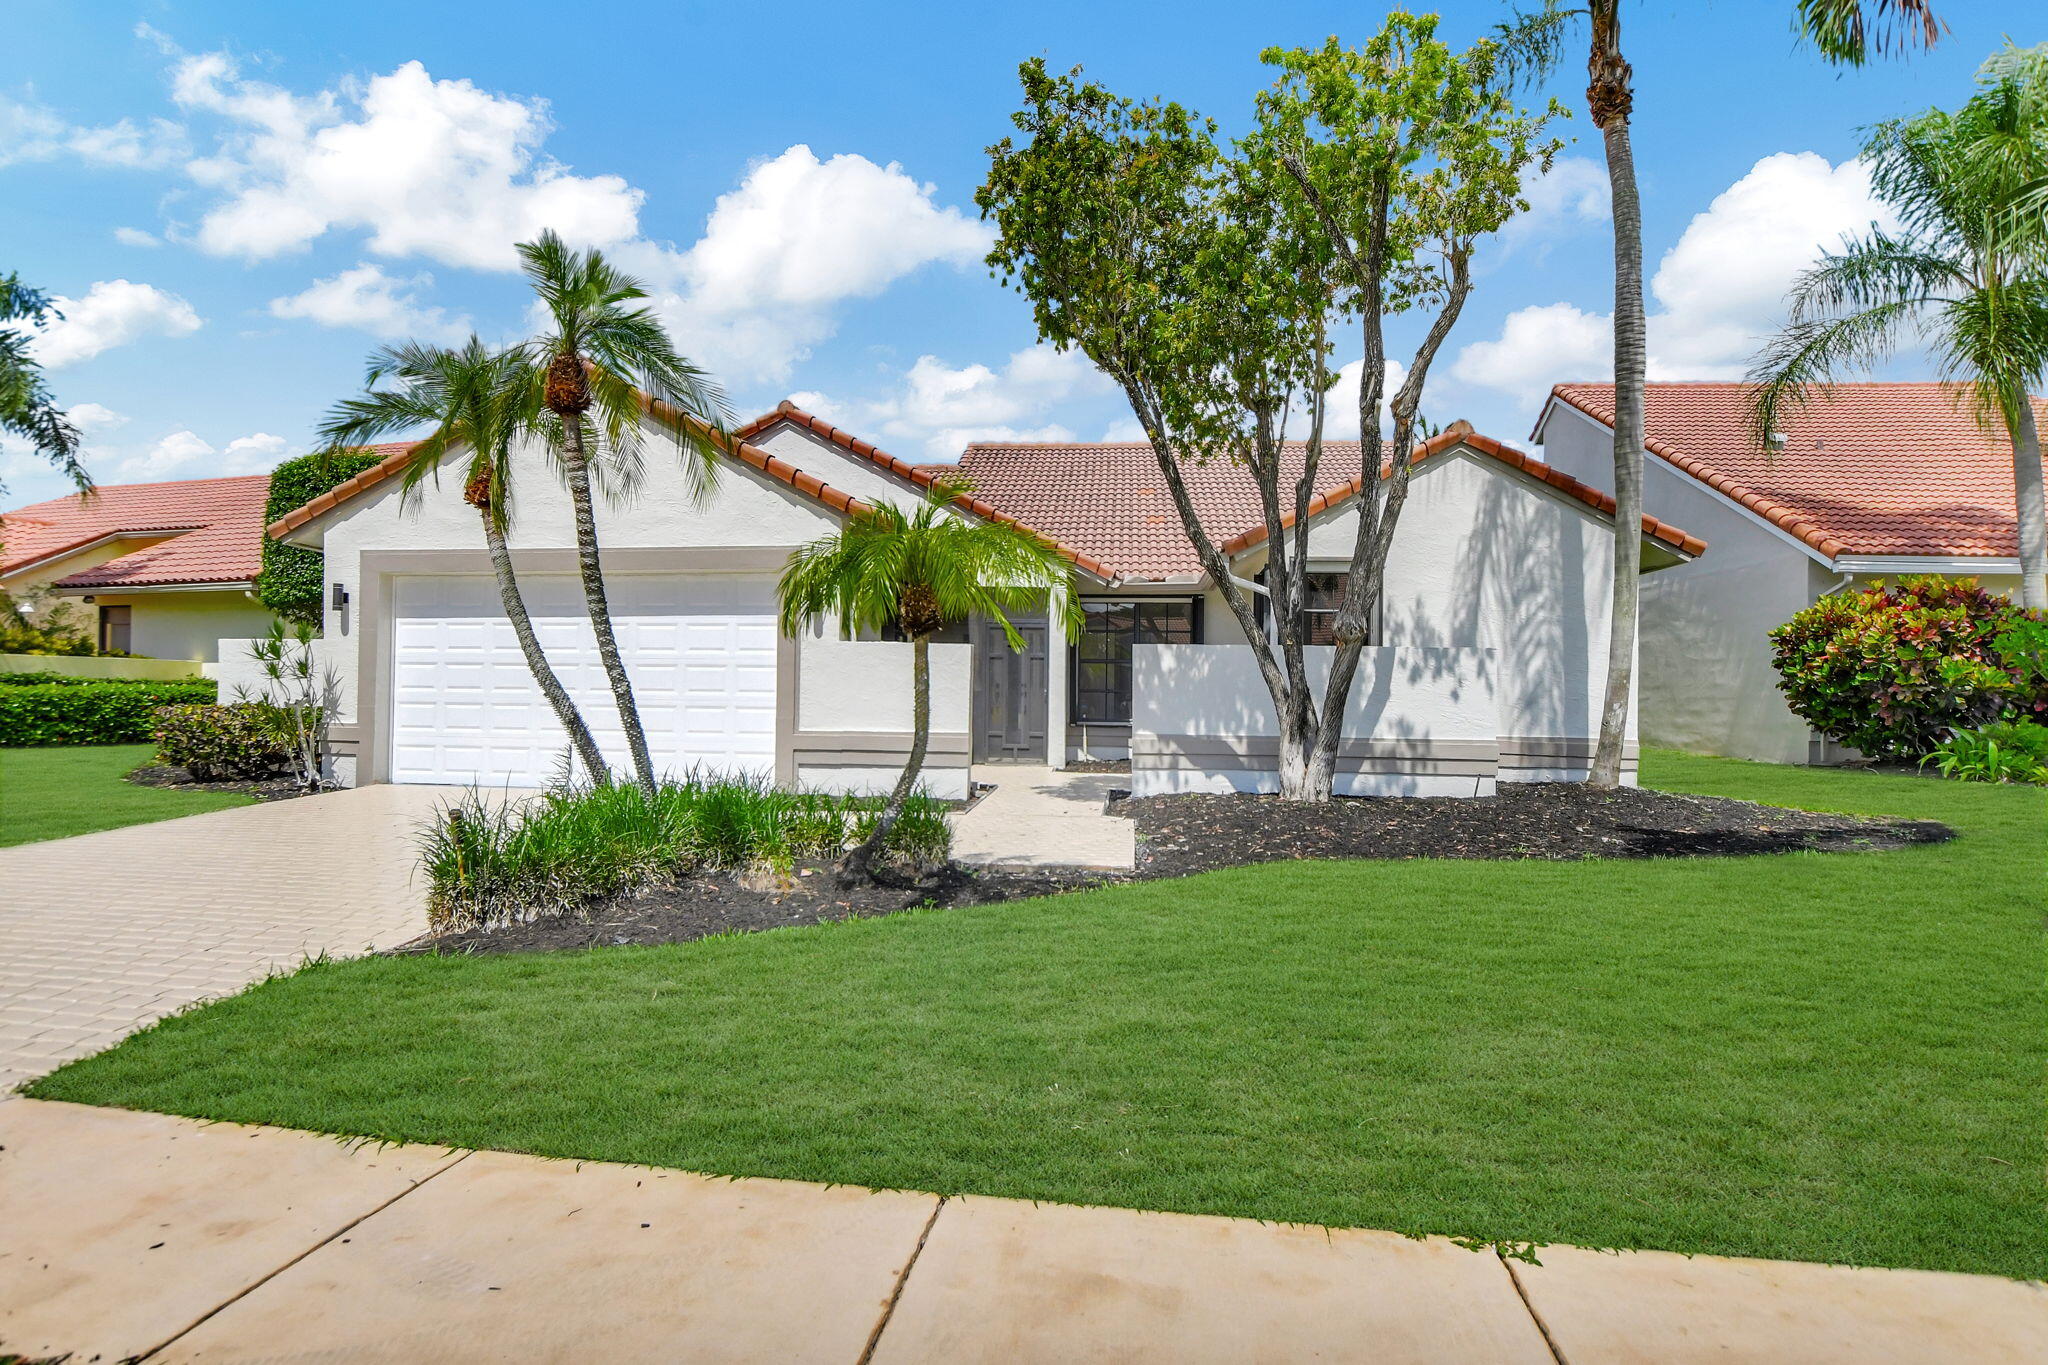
(214, 742)
(293, 576)
(91, 710)
(1897, 668)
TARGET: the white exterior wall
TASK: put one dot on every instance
(662, 529)
(1487, 558)
(1426, 721)
(185, 623)
(1706, 682)
(850, 688)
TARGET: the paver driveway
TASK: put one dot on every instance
(101, 933)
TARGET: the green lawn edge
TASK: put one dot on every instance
(1829, 1057)
(57, 791)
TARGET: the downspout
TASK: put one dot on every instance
(1847, 579)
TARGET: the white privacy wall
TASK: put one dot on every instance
(1421, 721)
(1486, 558)
(854, 715)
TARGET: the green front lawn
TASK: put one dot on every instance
(1822, 1056)
(76, 789)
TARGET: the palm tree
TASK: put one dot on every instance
(1533, 44)
(26, 408)
(1964, 274)
(920, 572)
(1847, 32)
(1532, 47)
(600, 368)
(468, 400)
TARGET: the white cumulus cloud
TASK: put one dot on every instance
(367, 298)
(30, 132)
(128, 236)
(933, 410)
(433, 168)
(1718, 293)
(112, 313)
(799, 236)
(186, 454)
(92, 417)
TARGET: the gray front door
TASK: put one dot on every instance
(1009, 696)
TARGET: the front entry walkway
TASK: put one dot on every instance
(143, 1235)
(102, 933)
(1039, 817)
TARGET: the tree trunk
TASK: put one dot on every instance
(2032, 509)
(1611, 100)
(537, 660)
(859, 864)
(576, 467)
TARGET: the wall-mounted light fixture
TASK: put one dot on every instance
(87, 598)
(340, 597)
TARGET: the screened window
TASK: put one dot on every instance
(1102, 657)
(1322, 596)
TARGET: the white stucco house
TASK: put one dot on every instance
(1483, 666)
(162, 570)
(1865, 482)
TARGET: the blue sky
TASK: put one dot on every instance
(239, 200)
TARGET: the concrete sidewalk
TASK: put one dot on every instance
(138, 1235)
(1039, 817)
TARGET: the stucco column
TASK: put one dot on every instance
(1056, 681)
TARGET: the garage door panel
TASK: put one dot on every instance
(700, 651)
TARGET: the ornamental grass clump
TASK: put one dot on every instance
(492, 859)
(1896, 669)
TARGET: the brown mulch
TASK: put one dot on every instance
(718, 903)
(1557, 821)
(177, 779)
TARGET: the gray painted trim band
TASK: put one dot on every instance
(813, 747)
(1260, 763)
(1268, 747)
(728, 559)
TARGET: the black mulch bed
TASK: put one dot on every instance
(1179, 835)
(724, 902)
(177, 779)
(1557, 821)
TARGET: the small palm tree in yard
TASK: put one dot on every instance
(1965, 275)
(468, 400)
(600, 357)
(920, 572)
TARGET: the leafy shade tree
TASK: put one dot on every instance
(471, 403)
(293, 577)
(920, 572)
(26, 407)
(601, 368)
(1964, 275)
(1850, 32)
(1208, 281)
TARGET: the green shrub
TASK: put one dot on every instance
(293, 577)
(91, 710)
(40, 679)
(214, 743)
(1897, 668)
(2011, 752)
(493, 861)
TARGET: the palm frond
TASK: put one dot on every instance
(1852, 31)
(1807, 357)
(1531, 43)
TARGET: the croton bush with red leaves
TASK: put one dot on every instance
(1897, 668)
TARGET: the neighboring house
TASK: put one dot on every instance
(1866, 482)
(1486, 659)
(162, 570)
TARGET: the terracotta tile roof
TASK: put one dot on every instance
(1109, 498)
(923, 475)
(215, 528)
(1866, 469)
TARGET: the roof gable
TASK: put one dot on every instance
(1866, 469)
(215, 530)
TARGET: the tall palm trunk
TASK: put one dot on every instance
(577, 469)
(859, 864)
(1611, 100)
(2032, 508)
(564, 706)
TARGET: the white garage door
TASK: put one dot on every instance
(700, 650)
